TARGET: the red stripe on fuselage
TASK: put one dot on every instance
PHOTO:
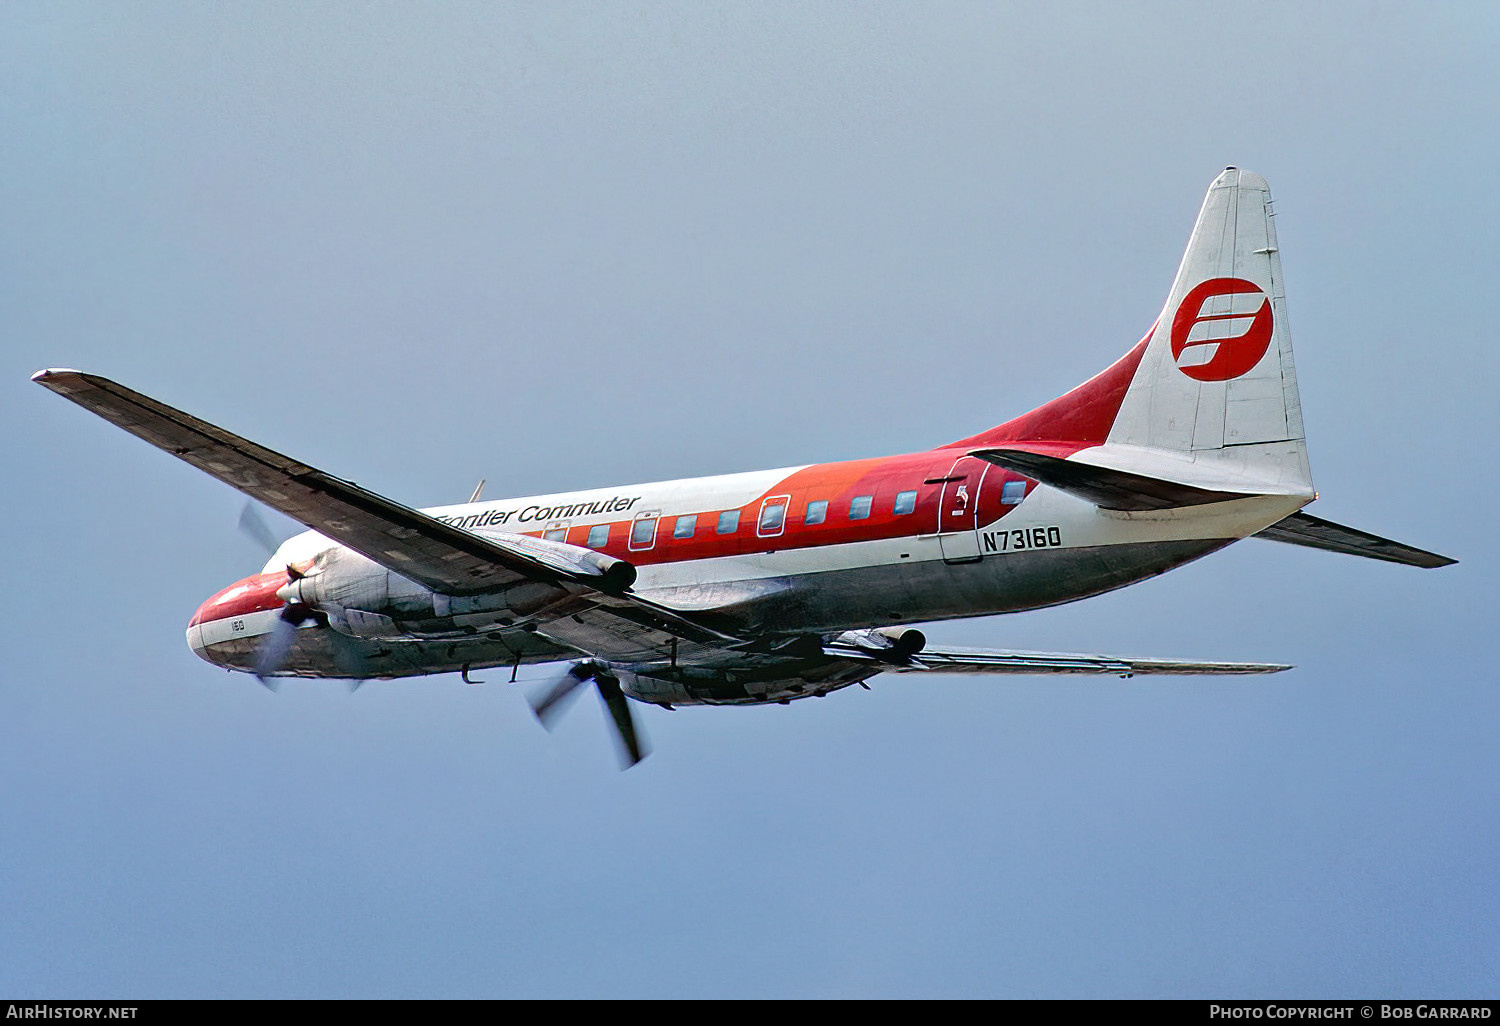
(836, 483)
(252, 595)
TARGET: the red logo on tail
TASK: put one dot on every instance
(1199, 343)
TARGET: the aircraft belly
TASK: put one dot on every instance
(837, 600)
(780, 681)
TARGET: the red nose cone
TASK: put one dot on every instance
(252, 595)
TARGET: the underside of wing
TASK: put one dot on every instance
(415, 545)
(981, 660)
(439, 556)
(1302, 529)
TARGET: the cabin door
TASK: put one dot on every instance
(958, 511)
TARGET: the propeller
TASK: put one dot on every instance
(549, 705)
(276, 648)
(254, 525)
(271, 656)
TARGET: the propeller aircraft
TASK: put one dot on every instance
(784, 584)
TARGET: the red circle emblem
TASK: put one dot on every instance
(1221, 330)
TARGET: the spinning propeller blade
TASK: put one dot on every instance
(549, 705)
(271, 656)
(254, 525)
(631, 749)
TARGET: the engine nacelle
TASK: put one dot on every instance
(896, 643)
(342, 579)
(363, 599)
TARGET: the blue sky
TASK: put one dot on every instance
(565, 246)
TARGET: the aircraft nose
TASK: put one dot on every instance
(233, 615)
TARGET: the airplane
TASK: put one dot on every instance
(784, 584)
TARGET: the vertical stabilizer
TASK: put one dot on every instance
(1216, 383)
(1208, 399)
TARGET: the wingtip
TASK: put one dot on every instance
(41, 376)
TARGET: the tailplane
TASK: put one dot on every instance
(1316, 533)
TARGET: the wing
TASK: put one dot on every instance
(983, 660)
(436, 555)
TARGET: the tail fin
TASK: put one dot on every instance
(1209, 396)
(1218, 371)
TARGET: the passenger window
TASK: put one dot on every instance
(557, 534)
(643, 532)
(1012, 492)
(772, 517)
(729, 521)
(906, 502)
(817, 512)
(598, 536)
(685, 526)
(859, 506)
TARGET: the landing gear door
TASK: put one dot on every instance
(958, 511)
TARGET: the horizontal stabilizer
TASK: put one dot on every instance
(1104, 486)
(1301, 529)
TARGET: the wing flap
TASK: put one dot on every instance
(1316, 533)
